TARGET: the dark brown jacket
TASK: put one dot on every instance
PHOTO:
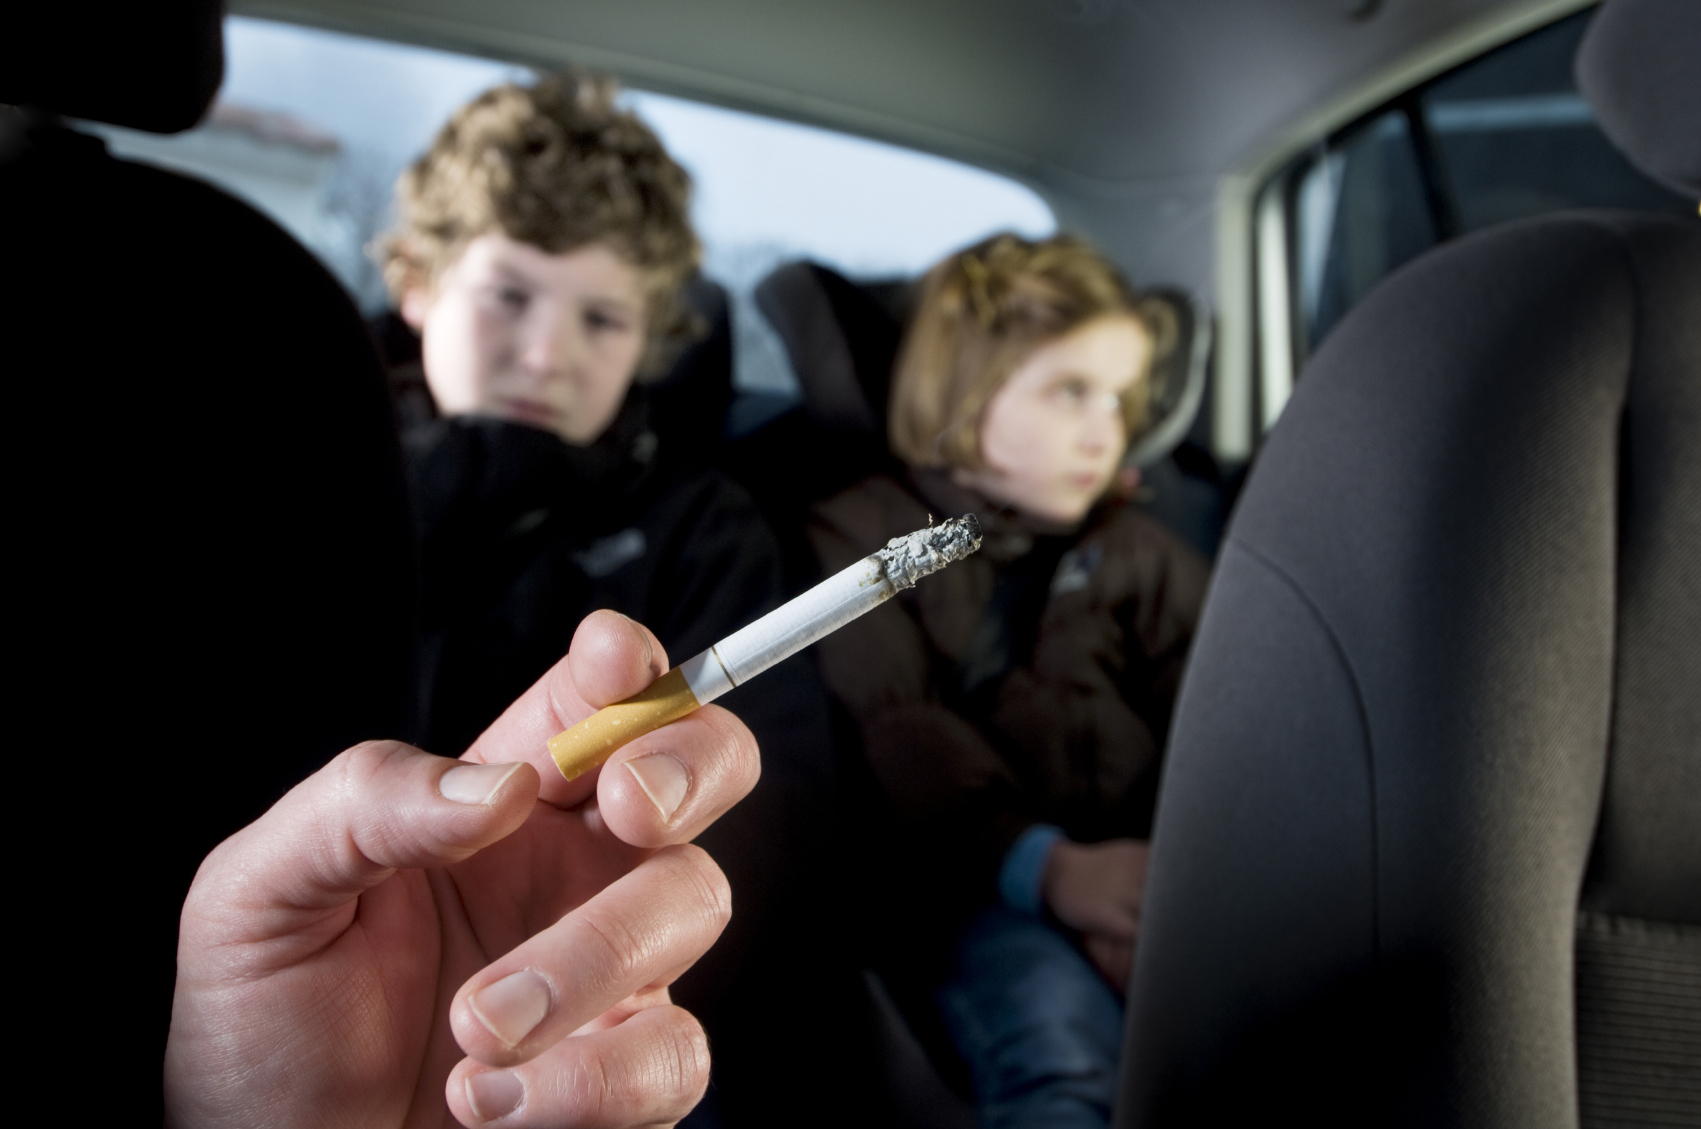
(1032, 682)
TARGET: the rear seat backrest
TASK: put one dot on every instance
(689, 401)
(842, 341)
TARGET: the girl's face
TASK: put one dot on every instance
(551, 340)
(1053, 434)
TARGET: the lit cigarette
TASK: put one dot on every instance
(778, 635)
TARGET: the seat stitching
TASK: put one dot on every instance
(1335, 644)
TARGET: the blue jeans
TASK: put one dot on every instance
(1040, 1029)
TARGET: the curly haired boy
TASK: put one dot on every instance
(542, 244)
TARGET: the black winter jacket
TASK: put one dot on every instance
(522, 537)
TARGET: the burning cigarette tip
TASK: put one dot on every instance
(907, 559)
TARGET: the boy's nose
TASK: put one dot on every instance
(549, 351)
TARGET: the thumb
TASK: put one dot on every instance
(377, 808)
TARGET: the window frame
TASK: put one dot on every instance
(1283, 334)
(1259, 342)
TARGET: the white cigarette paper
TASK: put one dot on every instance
(775, 637)
(828, 606)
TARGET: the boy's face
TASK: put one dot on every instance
(515, 332)
(1053, 434)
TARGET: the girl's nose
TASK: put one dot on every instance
(1103, 428)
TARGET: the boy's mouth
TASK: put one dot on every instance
(528, 411)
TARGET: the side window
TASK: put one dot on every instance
(314, 127)
(768, 192)
(1503, 137)
(1361, 212)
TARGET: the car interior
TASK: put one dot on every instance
(1428, 843)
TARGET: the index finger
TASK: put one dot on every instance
(664, 787)
(610, 659)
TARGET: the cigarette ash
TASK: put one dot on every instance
(908, 559)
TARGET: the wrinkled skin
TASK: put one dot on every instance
(335, 955)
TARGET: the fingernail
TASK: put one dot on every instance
(474, 783)
(512, 1006)
(494, 1094)
(663, 779)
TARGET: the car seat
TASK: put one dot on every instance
(1428, 844)
(689, 401)
(212, 568)
(811, 449)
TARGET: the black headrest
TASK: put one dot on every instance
(689, 401)
(842, 339)
(1637, 66)
(153, 66)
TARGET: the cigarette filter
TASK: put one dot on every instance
(778, 635)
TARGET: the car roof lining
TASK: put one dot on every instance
(1086, 96)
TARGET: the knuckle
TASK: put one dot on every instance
(625, 950)
(703, 884)
(733, 747)
(358, 765)
(662, 1070)
(685, 899)
(682, 1052)
(583, 1084)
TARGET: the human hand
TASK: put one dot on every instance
(1097, 889)
(1112, 956)
(334, 952)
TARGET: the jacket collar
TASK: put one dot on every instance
(1008, 534)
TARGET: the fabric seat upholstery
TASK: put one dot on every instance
(1428, 848)
(1455, 624)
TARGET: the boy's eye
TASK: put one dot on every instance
(512, 298)
(604, 320)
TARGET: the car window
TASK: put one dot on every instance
(1503, 137)
(314, 127)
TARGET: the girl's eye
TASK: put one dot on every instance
(513, 299)
(1072, 392)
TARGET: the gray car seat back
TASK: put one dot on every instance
(1428, 848)
(1455, 626)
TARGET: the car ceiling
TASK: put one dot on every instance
(1124, 114)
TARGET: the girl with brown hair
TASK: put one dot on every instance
(1013, 708)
